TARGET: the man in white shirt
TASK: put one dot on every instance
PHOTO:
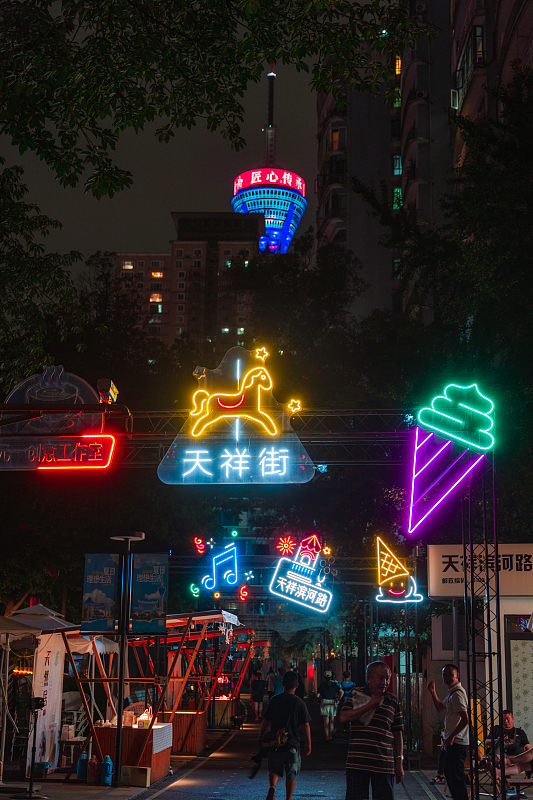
(456, 735)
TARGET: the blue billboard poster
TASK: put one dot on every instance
(100, 592)
(149, 593)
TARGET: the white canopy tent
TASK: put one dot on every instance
(10, 630)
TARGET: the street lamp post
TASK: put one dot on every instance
(123, 630)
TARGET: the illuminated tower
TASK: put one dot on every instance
(276, 193)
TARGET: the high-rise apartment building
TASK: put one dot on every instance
(406, 143)
(190, 290)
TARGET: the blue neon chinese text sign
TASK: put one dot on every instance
(297, 580)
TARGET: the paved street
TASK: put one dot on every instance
(224, 774)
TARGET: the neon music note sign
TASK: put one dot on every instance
(229, 554)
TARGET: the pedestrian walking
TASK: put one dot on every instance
(278, 683)
(456, 734)
(330, 693)
(286, 714)
(375, 753)
(271, 679)
(258, 694)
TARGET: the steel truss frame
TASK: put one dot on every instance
(483, 623)
(334, 437)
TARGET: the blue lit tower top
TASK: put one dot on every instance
(276, 193)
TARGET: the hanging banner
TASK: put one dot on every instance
(100, 588)
(149, 593)
(48, 666)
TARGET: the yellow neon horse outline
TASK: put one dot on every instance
(202, 400)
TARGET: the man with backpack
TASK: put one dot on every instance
(285, 714)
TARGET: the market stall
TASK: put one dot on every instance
(180, 683)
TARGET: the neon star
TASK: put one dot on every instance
(261, 353)
(294, 406)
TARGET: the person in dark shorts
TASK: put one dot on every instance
(258, 689)
(289, 712)
(375, 753)
(330, 694)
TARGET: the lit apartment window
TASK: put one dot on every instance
(397, 99)
(225, 330)
(156, 298)
(160, 308)
(179, 253)
(227, 252)
(398, 65)
(127, 265)
(338, 138)
(157, 274)
(227, 264)
(240, 330)
(396, 198)
(396, 164)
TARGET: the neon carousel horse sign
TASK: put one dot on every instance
(236, 431)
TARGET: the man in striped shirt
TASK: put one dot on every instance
(375, 754)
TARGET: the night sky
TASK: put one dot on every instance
(194, 172)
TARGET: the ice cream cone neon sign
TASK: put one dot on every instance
(459, 423)
(396, 584)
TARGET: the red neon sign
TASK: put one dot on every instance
(75, 452)
(243, 592)
(199, 544)
(269, 177)
(286, 546)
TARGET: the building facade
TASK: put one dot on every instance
(189, 291)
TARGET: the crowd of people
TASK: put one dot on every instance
(373, 717)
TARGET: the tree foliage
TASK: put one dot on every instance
(113, 341)
(75, 74)
(302, 311)
(467, 289)
(35, 286)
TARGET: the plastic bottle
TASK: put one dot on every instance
(107, 771)
(93, 770)
(81, 767)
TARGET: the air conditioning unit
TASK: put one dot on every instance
(421, 95)
(454, 99)
(421, 8)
